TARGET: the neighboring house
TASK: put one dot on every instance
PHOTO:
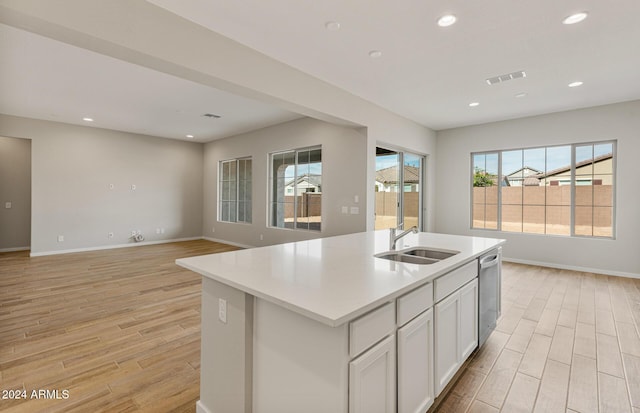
(522, 177)
(387, 179)
(596, 171)
(304, 183)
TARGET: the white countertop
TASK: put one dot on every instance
(334, 280)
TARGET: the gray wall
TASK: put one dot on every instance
(15, 187)
(344, 175)
(618, 121)
(73, 167)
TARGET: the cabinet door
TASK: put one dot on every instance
(447, 340)
(415, 364)
(468, 319)
(372, 379)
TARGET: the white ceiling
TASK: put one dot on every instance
(46, 79)
(430, 74)
(426, 73)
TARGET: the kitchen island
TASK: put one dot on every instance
(325, 326)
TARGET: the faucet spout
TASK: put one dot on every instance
(393, 238)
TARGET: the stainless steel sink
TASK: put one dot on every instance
(417, 255)
(430, 253)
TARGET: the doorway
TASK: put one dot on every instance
(398, 191)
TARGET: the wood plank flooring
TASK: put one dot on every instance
(120, 330)
(567, 342)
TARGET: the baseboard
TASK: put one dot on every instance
(572, 267)
(201, 408)
(224, 241)
(111, 247)
(15, 249)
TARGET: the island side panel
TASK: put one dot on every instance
(299, 365)
(227, 350)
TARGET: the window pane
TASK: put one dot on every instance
(512, 168)
(558, 220)
(584, 193)
(224, 212)
(478, 214)
(584, 160)
(583, 220)
(241, 214)
(603, 221)
(512, 218)
(533, 220)
(491, 216)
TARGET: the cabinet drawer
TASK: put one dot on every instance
(371, 328)
(414, 302)
(450, 282)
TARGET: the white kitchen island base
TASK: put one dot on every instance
(324, 326)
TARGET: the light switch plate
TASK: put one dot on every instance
(7, 205)
(355, 210)
(345, 210)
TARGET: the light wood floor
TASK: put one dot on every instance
(120, 329)
(567, 342)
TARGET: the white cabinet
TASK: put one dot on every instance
(468, 319)
(372, 379)
(415, 364)
(456, 332)
(447, 337)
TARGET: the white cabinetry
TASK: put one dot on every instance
(447, 338)
(456, 324)
(372, 379)
(415, 364)
(468, 319)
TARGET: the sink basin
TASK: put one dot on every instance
(430, 253)
(417, 255)
(400, 257)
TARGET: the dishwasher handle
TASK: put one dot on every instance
(489, 261)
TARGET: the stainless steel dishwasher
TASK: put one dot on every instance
(489, 284)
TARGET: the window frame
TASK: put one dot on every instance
(270, 195)
(248, 202)
(573, 184)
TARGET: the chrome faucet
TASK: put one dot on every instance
(393, 238)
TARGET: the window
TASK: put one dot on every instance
(562, 190)
(235, 190)
(295, 179)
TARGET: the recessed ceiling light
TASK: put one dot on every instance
(575, 84)
(374, 54)
(333, 26)
(575, 18)
(447, 20)
(87, 119)
(190, 136)
(521, 95)
(474, 104)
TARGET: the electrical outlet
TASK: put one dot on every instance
(60, 238)
(110, 235)
(222, 310)
(345, 210)
(157, 230)
(213, 229)
(354, 210)
(162, 230)
(7, 205)
(261, 237)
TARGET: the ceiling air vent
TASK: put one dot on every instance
(212, 115)
(504, 78)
